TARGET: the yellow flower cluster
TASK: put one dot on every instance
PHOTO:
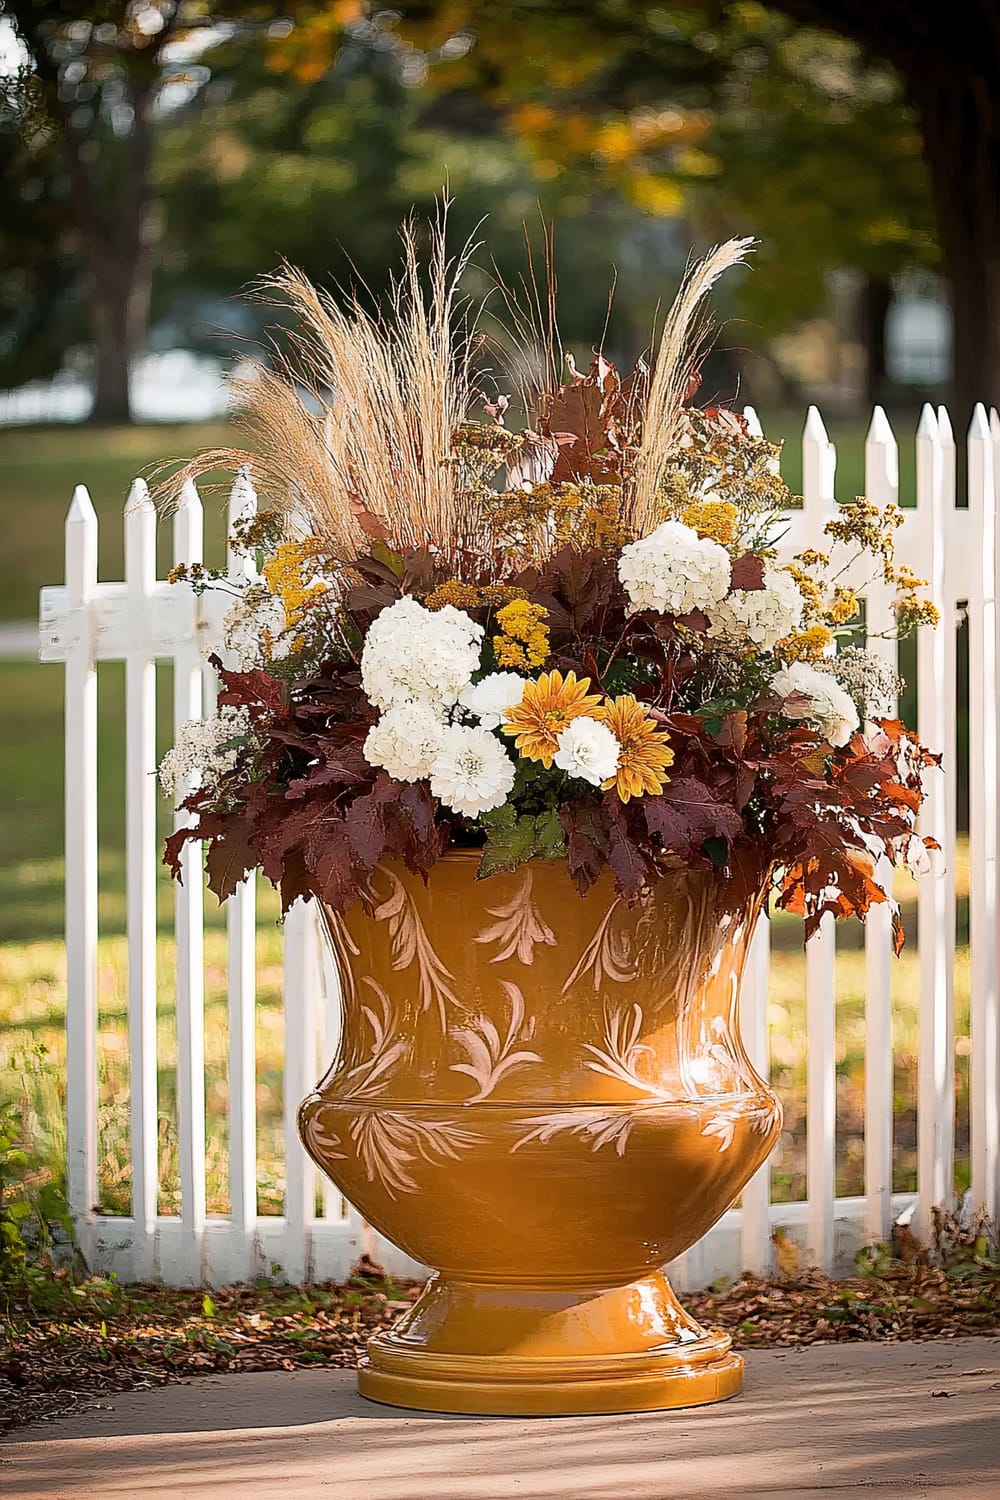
(806, 645)
(524, 639)
(843, 606)
(530, 522)
(871, 527)
(285, 574)
(473, 596)
(912, 611)
(715, 520)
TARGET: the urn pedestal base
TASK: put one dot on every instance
(492, 1350)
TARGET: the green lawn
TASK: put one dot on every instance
(38, 470)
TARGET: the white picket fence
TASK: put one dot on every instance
(146, 619)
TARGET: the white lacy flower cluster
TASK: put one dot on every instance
(417, 666)
(417, 655)
(675, 571)
(204, 751)
(254, 629)
(812, 694)
(764, 616)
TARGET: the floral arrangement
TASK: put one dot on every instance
(573, 641)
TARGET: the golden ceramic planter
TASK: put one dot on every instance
(547, 1099)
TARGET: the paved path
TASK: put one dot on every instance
(853, 1419)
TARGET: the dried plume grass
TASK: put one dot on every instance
(352, 420)
(681, 342)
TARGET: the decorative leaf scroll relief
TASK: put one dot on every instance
(607, 955)
(322, 1142)
(345, 948)
(600, 1126)
(519, 927)
(389, 1143)
(622, 1050)
(368, 1078)
(760, 1117)
(489, 1057)
(410, 944)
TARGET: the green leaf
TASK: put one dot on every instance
(510, 841)
(550, 838)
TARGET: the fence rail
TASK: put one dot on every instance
(144, 620)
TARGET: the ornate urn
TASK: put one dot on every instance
(546, 1098)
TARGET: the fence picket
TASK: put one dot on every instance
(141, 858)
(819, 464)
(329, 1042)
(81, 866)
(936, 892)
(302, 994)
(188, 533)
(756, 1252)
(881, 487)
(984, 1083)
(241, 933)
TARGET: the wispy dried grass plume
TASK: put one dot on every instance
(349, 426)
(682, 341)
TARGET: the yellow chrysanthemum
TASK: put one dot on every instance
(714, 519)
(645, 752)
(548, 706)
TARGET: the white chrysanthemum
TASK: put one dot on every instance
(827, 705)
(254, 629)
(405, 741)
(490, 699)
(762, 617)
(674, 570)
(204, 751)
(472, 772)
(588, 749)
(417, 654)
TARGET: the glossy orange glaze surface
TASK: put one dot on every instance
(546, 1098)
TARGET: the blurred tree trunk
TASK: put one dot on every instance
(876, 300)
(950, 66)
(961, 115)
(120, 263)
(110, 206)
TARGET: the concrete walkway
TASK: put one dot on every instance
(900, 1420)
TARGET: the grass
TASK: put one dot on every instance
(39, 469)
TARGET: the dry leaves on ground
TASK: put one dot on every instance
(79, 1344)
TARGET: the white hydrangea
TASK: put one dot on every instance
(254, 629)
(760, 616)
(674, 570)
(421, 655)
(472, 772)
(405, 741)
(204, 751)
(588, 749)
(490, 699)
(826, 703)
